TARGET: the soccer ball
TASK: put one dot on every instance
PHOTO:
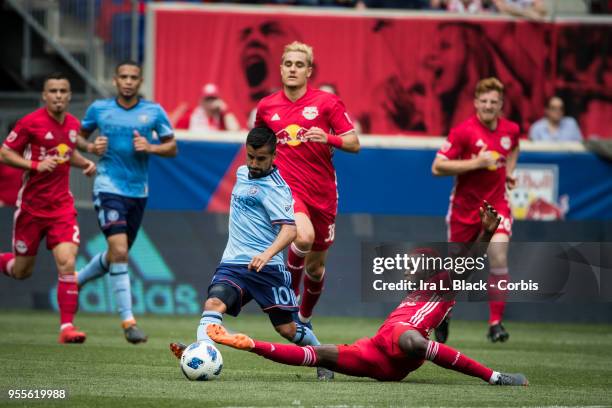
(201, 361)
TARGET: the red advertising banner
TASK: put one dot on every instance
(397, 75)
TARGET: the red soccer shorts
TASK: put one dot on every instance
(324, 224)
(462, 232)
(29, 230)
(378, 357)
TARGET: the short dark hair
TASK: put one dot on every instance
(56, 76)
(130, 63)
(261, 136)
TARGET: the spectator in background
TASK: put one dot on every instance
(554, 126)
(211, 114)
(465, 6)
(530, 9)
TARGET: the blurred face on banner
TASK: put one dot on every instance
(261, 43)
(488, 106)
(295, 70)
(449, 59)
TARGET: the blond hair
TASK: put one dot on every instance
(297, 46)
(488, 85)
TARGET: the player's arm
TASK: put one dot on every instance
(286, 235)
(77, 160)
(14, 159)
(97, 147)
(510, 166)
(442, 166)
(348, 142)
(166, 147)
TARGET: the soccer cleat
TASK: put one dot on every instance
(323, 374)
(134, 334)
(441, 332)
(177, 349)
(511, 379)
(238, 341)
(303, 321)
(497, 332)
(71, 334)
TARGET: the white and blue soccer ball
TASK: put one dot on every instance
(201, 361)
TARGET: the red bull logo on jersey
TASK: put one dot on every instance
(293, 135)
(310, 112)
(60, 153)
(505, 142)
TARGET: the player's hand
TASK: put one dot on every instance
(485, 158)
(510, 182)
(220, 105)
(259, 261)
(489, 218)
(140, 143)
(100, 145)
(89, 169)
(47, 164)
(315, 134)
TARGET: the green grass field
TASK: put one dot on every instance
(567, 365)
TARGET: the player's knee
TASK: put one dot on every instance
(316, 270)
(413, 343)
(22, 273)
(215, 304)
(65, 264)
(118, 252)
(286, 330)
(305, 238)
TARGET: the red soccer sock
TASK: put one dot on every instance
(497, 297)
(289, 354)
(7, 260)
(449, 358)
(295, 265)
(312, 292)
(67, 298)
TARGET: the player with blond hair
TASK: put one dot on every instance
(310, 125)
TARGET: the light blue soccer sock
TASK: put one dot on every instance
(94, 269)
(208, 317)
(304, 336)
(120, 282)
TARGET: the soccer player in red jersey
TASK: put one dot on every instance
(44, 144)
(310, 125)
(482, 153)
(400, 346)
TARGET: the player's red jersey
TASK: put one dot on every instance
(306, 166)
(423, 309)
(38, 136)
(464, 142)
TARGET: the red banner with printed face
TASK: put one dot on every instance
(396, 75)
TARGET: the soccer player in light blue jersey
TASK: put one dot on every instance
(261, 225)
(125, 125)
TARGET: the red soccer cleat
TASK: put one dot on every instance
(71, 334)
(177, 349)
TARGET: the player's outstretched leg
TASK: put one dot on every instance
(414, 344)
(97, 267)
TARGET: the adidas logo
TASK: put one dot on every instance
(275, 117)
(48, 136)
(479, 143)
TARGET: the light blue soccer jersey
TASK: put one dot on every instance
(121, 170)
(258, 208)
